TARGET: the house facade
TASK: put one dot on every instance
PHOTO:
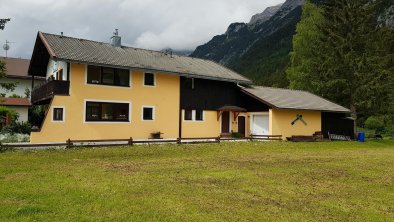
(17, 73)
(99, 90)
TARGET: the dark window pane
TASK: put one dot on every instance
(199, 115)
(101, 111)
(92, 111)
(58, 114)
(107, 112)
(147, 113)
(188, 115)
(121, 112)
(149, 79)
(122, 77)
(108, 76)
(94, 74)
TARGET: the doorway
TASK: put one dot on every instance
(226, 122)
(242, 125)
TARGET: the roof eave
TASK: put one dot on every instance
(162, 71)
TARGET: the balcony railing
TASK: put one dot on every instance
(45, 91)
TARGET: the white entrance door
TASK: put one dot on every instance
(260, 125)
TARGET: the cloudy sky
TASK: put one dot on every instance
(151, 24)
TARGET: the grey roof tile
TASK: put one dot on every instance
(294, 99)
(81, 50)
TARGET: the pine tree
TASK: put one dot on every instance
(349, 58)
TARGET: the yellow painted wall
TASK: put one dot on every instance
(210, 127)
(164, 96)
(280, 122)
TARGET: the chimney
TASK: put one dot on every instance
(116, 40)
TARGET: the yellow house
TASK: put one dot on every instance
(97, 90)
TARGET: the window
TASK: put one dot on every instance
(199, 115)
(194, 115)
(58, 114)
(188, 115)
(149, 79)
(107, 112)
(148, 113)
(108, 76)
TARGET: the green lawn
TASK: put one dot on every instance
(278, 181)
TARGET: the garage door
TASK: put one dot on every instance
(260, 125)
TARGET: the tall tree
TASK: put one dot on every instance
(3, 70)
(304, 65)
(3, 22)
(347, 60)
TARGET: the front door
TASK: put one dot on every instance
(226, 122)
(241, 125)
(260, 125)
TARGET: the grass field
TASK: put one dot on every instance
(219, 182)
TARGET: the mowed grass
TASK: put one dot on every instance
(280, 181)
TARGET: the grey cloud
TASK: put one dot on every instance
(151, 24)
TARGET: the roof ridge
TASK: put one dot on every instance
(123, 46)
(284, 89)
(3, 57)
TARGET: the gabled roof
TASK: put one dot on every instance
(14, 102)
(16, 67)
(293, 99)
(99, 53)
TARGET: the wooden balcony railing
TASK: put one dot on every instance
(45, 91)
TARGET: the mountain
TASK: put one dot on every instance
(177, 52)
(258, 49)
(265, 15)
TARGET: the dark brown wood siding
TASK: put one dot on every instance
(211, 95)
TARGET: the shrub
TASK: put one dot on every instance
(18, 128)
(376, 123)
(4, 110)
(236, 135)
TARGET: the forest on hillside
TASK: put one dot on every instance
(342, 52)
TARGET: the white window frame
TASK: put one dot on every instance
(154, 79)
(105, 122)
(99, 85)
(153, 113)
(193, 116)
(64, 114)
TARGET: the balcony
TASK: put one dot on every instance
(43, 93)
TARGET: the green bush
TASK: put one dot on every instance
(376, 123)
(4, 110)
(236, 135)
(17, 128)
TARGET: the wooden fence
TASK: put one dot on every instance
(130, 142)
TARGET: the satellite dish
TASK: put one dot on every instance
(6, 47)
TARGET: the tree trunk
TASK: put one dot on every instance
(354, 116)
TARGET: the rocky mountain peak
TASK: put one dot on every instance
(265, 15)
(235, 27)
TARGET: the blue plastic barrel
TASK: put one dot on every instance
(361, 137)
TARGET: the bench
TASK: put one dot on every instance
(265, 137)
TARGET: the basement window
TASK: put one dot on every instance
(107, 112)
(149, 79)
(108, 76)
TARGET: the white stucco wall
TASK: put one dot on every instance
(22, 84)
(23, 112)
(54, 66)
